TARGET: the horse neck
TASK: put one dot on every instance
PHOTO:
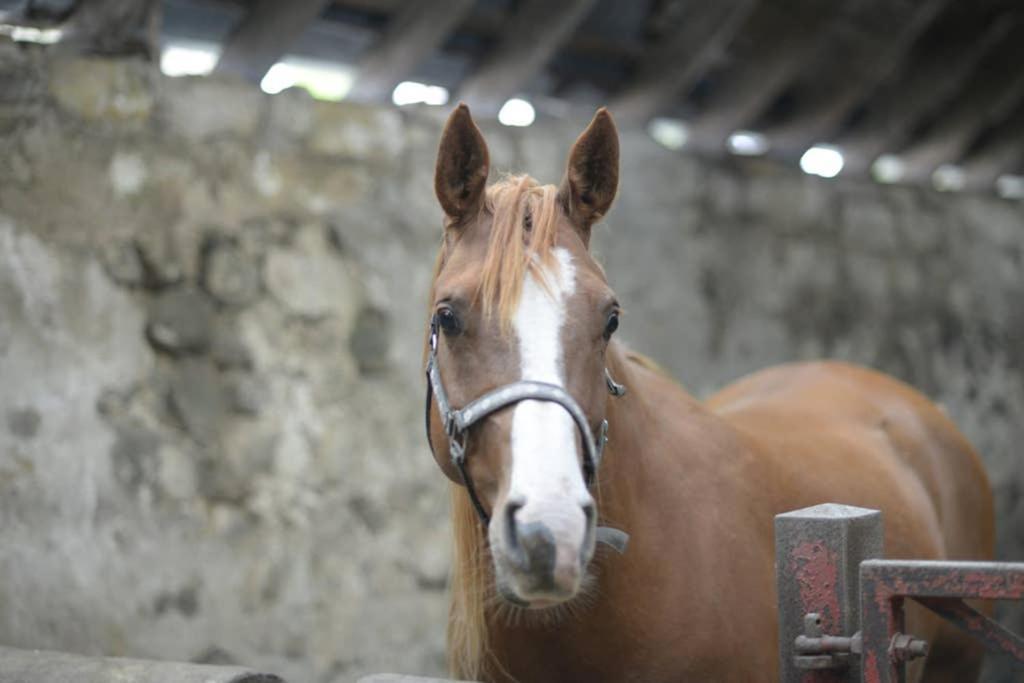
(659, 436)
(654, 407)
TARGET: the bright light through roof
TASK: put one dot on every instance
(747, 143)
(324, 81)
(516, 112)
(670, 133)
(888, 168)
(949, 178)
(188, 59)
(1010, 186)
(30, 34)
(822, 160)
(411, 92)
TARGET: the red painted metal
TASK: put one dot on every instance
(816, 570)
(818, 552)
(941, 587)
(832, 630)
(994, 635)
(881, 618)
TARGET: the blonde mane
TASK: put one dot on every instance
(468, 647)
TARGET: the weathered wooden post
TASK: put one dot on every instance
(818, 551)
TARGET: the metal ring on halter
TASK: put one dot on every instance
(614, 388)
(457, 423)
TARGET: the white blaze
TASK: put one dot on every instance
(545, 465)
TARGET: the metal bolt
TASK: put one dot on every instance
(904, 647)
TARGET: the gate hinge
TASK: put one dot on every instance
(816, 650)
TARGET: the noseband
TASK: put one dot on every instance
(457, 423)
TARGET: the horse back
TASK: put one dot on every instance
(836, 432)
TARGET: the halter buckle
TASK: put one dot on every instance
(451, 426)
(457, 452)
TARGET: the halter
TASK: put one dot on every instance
(457, 423)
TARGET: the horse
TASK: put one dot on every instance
(560, 442)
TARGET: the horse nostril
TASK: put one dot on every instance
(512, 506)
(589, 511)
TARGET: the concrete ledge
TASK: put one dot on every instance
(400, 678)
(40, 666)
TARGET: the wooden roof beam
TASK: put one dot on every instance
(673, 66)
(532, 36)
(417, 29)
(1001, 152)
(264, 36)
(988, 99)
(865, 51)
(933, 75)
(783, 37)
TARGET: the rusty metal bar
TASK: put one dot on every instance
(940, 586)
(841, 613)
(992, 634)
(943, 579)
(881, 619)
(818, 551)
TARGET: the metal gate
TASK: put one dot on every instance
(841, 607)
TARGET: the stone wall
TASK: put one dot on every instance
(211, 314)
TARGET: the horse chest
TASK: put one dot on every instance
(670, 630)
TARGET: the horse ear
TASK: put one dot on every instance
(462, 165)
(592, 176)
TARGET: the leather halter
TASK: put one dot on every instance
(457, 423)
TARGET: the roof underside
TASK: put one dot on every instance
(935, 82)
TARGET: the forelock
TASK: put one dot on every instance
(523, 233)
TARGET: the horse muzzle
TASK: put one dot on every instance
(541, 551)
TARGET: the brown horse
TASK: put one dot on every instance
(519, 306)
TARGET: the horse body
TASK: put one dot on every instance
(694, 597)
(695, 485)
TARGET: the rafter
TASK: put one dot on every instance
(936, 70)
(680, 58)
(264, 36)
(989, 98)
(1001, 150)
(412, 34)
(531, 37)
(864, 51)
(779, 39)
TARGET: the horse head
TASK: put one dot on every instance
(523, 315)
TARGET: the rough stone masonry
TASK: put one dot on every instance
(212, 308)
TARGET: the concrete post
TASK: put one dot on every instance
(818, 551)
(400, 678)
(40, 666)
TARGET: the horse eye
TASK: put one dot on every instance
(611, 325)
(448, 321)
